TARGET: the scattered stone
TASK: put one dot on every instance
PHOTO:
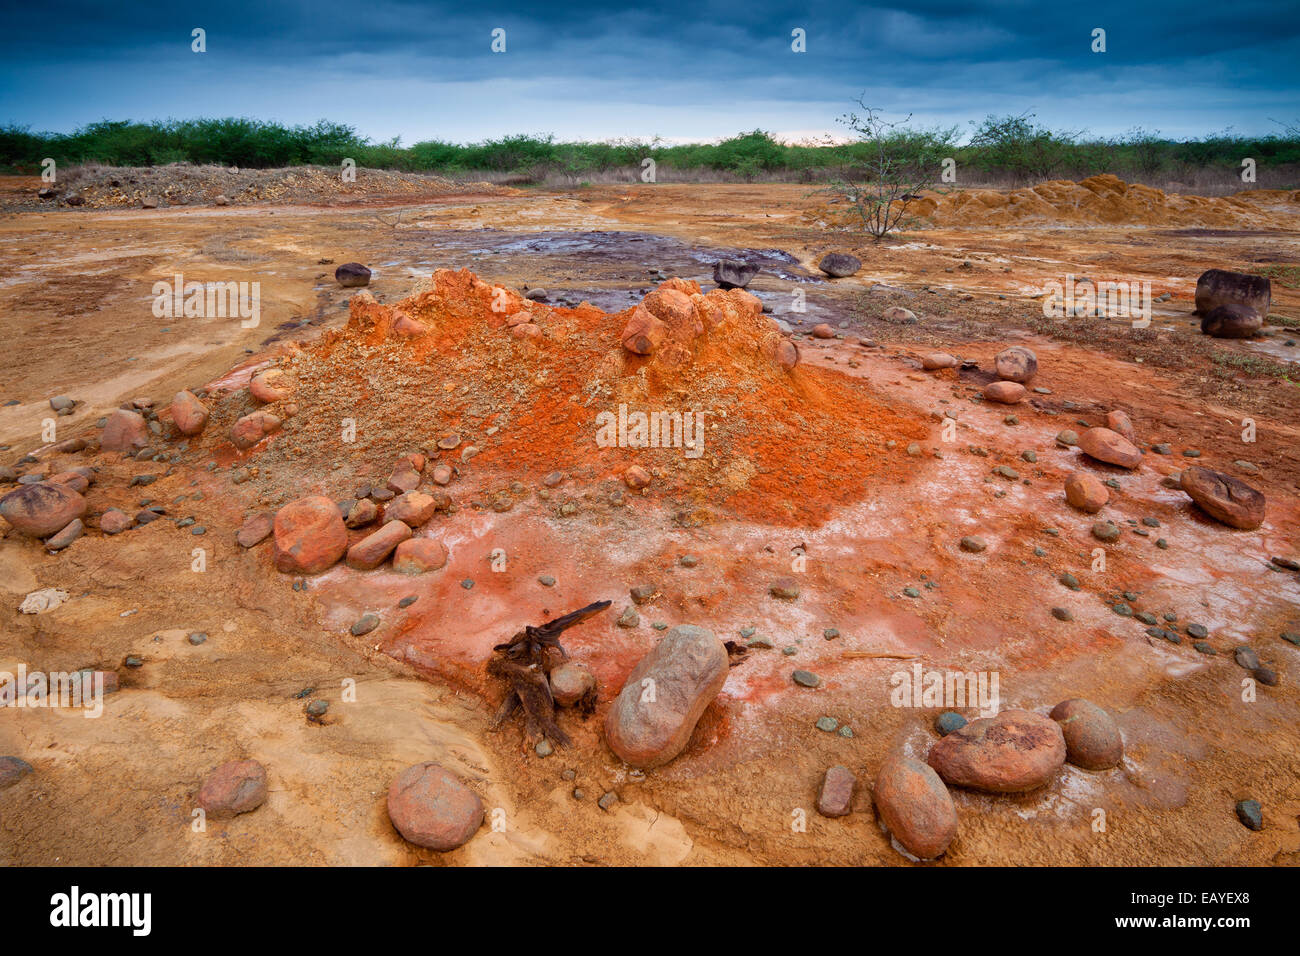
(1092, 739)
(124, 430)
(688, 668)
(806, 679)
(1105, 531)
(197, 637)
(827, 724)
(373, 550)
(1251, 814)
(949, 721)
(1014, 752)
(915, 806)
(66, 536)
(1086, 492)
(835, 795)
(365, 624)
(784, 588)
(432, 808)
(352, 275)
(414, 508)
(233, 788)
(254, 530)
(41, 509)
(571, 682)
(309, 536)
(1067, 438)
(1005, 392)
(733, 273)
(418, 555)
(839, 265)
(250, 429)
(1110, 447)
(1232, 322)
(1223, 497)
(607, 800)
(938, 360)
(973, 544)
(1062, 614)
(13, 769)
(1016, 364)
(636, 477)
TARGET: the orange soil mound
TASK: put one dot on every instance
(1105, 199)
(528, 385)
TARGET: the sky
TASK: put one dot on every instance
(684, 72)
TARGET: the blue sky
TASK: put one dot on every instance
(685, 72)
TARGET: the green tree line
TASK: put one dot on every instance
(1015, 148)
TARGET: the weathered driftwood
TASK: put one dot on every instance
(524, 662)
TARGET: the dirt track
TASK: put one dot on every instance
(119, 789)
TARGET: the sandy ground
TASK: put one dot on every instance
(120, 789)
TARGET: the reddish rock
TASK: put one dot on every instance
(431, 807)
(1013, 752)
(835, 795)
(252, 428)
(42, 509)
(114, 521)
(784, 352)
(1092, 739)
(442, 474)
(233, 788)
(71, 479)
(415, 459)
(65, 536)
(309, 536)
(675, 309)
(1110, 447)
(1118, 421)
(571, 682)
(361, 513)
(636, 477)
(915, 806)
(406, 327)
(1086, 492)
(526, 330)
(271, 385)
(643, 333)
(1008, 393)
(125, 430)
(938, 360)
(414, 508)
(823, 331)
(371, 551)
(652, 718)
(1223, 497)
(417, 555)
(1016, 364)
(404, 479)
(255, 529)
(189, 415)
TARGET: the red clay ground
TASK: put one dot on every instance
(801, 461)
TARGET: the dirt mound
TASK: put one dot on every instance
(1105, 199)
(515, 389)
(181, 184)
(1098, 200)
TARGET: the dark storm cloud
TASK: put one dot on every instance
(692, 71)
